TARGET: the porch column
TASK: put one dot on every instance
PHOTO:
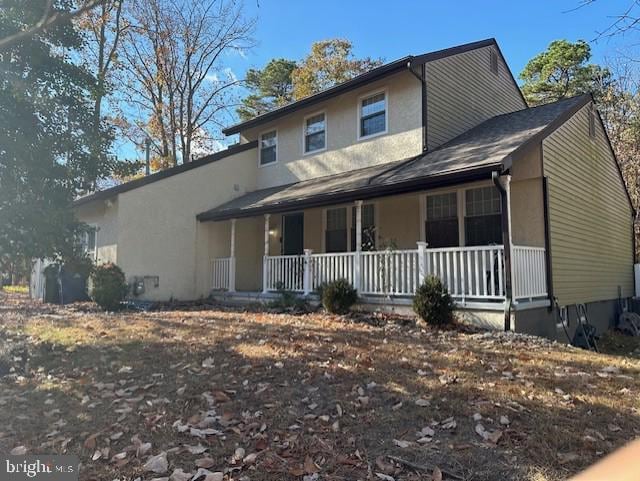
(422, 261)
(357, 260)
(232, 258)
(265, 267)
(307, 275)
(510, 236)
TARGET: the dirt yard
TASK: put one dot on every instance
(259, 396)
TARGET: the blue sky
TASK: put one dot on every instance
(394, 28)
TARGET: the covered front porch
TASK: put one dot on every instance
(386, 246)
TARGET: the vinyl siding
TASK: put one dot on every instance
(462, 92)
(589, 215)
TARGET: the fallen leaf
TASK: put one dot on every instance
(157, 464)
(309, 466)
(436, 475)
(18, 451)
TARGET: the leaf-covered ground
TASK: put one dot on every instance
(262, 396)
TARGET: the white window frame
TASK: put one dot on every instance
(385, 91)
(85, 242)
(304, 133)
(268, 131)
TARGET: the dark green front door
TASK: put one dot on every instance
(293, 234)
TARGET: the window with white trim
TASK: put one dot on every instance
(315, 137)
(368, 227)
(336, 230)
(441, 226)
(483, 216)
(88, 244)
(268, 147)
(373, 115)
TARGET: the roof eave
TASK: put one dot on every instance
(369, 192)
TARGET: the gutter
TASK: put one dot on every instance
(422, 78)
(506, 240)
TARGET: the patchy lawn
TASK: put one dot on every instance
(261, 396)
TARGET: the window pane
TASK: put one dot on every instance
(268, 142)
(91, 240)
(314, 142)
(368, 228)
(315, 124)
(483, 201)
(336, 233)
(268, 155)
(442, 206)
(483, 230)
(373, 124)
(373, 105)
(442, 233)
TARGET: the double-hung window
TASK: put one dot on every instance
(268, 147)
(368, 228)
(88, 244)
(315, 133)
(373, 115)
(442, 220)
(336, 230)
(483, 217)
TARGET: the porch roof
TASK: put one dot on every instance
(472, 155)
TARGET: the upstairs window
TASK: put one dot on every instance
(373, 115)
(268, 147)
(442, 220)
(315, 138)
(483, 218)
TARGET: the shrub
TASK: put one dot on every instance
(433, 303)
(109, 286)
(338, 296)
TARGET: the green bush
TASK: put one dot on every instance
(433, 303)
(288, 301)
(338, 296)
(109, 286)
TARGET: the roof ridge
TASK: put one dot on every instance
(353, 82)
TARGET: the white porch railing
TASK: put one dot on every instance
(530, 273)
(223, 273)
(471, 274)
(390, 272)
(285, 272)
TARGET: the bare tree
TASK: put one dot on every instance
(174, 54)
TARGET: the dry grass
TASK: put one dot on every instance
(306, 393)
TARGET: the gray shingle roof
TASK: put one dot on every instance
(473, 154)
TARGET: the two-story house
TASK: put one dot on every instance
(431, 164)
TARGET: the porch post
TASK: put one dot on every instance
(265, 267)
(357, 260)
(510, 236)
(422, 261)
(232, 258)
(306, 280)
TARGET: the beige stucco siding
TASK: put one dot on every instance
(157, 230)
(103, 216)
(344, 151)
(399, 221)
(589, 215)
(462, 92)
